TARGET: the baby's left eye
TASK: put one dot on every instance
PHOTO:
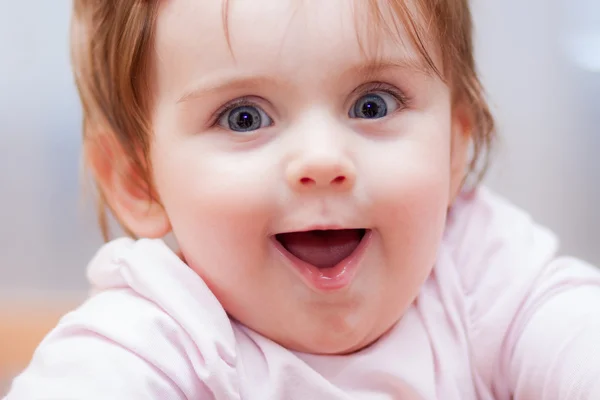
(374, 105)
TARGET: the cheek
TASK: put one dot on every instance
(214, 201)
(412, 219)
(209, 183)
(410, 187)
(410, 178)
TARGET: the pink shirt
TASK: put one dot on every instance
(500, 317)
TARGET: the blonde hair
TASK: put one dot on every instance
(112, 48)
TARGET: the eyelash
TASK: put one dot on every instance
(373, 87)
(240, 102)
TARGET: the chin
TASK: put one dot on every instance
(340, 348)
(349, 348)
(334, 343)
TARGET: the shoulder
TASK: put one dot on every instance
(149, 270)
(150, 322)
(507, 267)
(153, 287)
(494, 245)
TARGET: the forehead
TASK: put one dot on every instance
(284, 37)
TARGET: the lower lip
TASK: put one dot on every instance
(328, 279)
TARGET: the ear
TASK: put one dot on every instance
(125, 190)
(462, 128)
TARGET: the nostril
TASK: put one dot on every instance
(306, 181)
(339, 180)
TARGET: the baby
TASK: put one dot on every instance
(317, 164)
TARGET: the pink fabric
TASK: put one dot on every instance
(501, 317)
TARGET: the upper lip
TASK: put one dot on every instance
(322, 227)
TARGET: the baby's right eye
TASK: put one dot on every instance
(244, 118)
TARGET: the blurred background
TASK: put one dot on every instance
(539, 59)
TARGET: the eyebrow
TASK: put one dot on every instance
(226, 82)
(232, 81)
(374, 67)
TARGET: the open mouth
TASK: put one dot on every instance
(322, 248)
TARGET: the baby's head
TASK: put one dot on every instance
(303, 153)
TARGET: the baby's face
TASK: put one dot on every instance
(306, 181)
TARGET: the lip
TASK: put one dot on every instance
(321, 227)
(331, 279)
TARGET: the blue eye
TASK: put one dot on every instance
(374, 106)
(246, 118)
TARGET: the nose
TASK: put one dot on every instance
(321, 171)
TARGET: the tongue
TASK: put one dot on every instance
(323, 249)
